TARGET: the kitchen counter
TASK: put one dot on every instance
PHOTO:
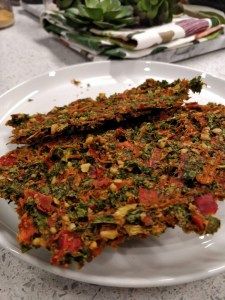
(27, 51)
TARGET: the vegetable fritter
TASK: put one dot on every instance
(77, 195)
(89, 115)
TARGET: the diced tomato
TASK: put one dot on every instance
(39, 118)
(148, 197)
(26, 229)
(93, 153)
(206, 204)
(142, 106)
(175, 181)
(124, 182)
(192, 105)
(52, 220)
(103, 182)
(163, 115)
(147, 220)
(156, 156)
(7, 160)
(119, 131)
(29, 194)
(22, 202)
(97, 173)
(126, 144)
(198, 221)
(44, 202)
(117, 241)
(130, 146)
(69, 242)
(96, 252)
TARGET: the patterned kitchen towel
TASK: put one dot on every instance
(134, 43)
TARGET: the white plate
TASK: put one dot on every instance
(174, 257)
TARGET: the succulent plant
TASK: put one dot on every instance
(105, 14)
(152, 12)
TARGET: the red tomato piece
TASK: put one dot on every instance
(126, 144)
(44, 202)
(192, 105)
(26, 229)
(69, 242)
(97, 173)
(7, 160)
(155, 157)
(124, 182)
(142, 106)
(198, 221)
(206, 204)
(103, 182)
(148, 197)
(147, 220)
(96, 252)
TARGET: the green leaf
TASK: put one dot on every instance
(104, 219)
(107, 25)
(113, 4)
(95, 14)
(125, 22)
(91, 3)
(63, 4)
(110, 15)
(82, 11)
(81, 210)
(126, 11)
(133, 217)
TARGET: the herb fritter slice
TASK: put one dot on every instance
(76, 196)
(88, 115)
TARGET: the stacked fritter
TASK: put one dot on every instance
(130, 165)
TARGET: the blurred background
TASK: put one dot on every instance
(162, 30)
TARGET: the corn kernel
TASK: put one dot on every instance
(65, 218)
(54, 128)
(109, 234)
(217, 130)
(196, 151)
(118, 180)
(120, 163)
(113, 187)
(143, 215)
(89, 140)
(93, 245)
(205, 137)
(183, 151)
(162, 143)
(113, 170)
(38, 242)
(53, 180)
(71, 227)
(134, 229)
(204, 146)
(56, 201)
(85, 167)
(53, 230)
(122, 212)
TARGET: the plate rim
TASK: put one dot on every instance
(92, 279)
